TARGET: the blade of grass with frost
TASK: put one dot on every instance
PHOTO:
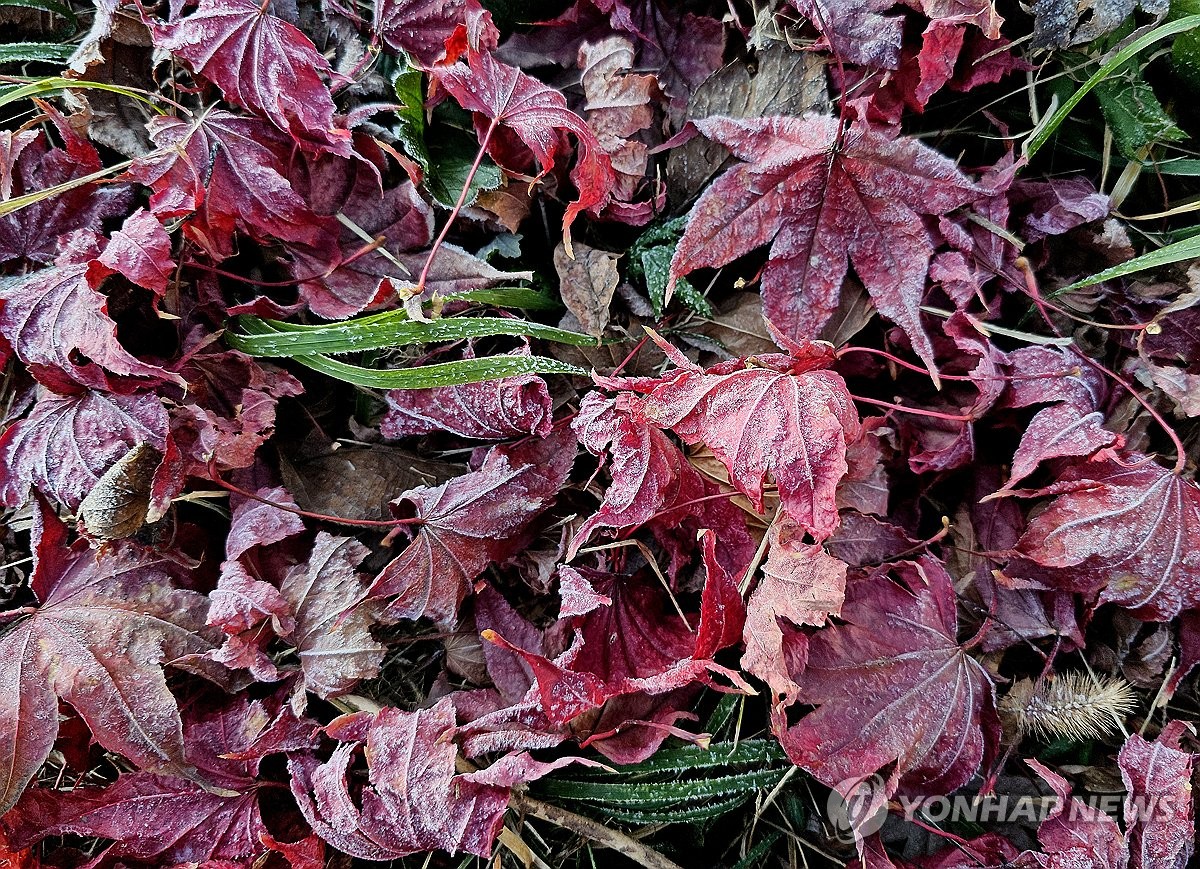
(1188, 248)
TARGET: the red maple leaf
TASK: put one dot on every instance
(894, 689)
(105, 625)
(771, 416)
(260, 62)
(824, 198)
(470, 522)
(434, 31)
(1159, 817)
(231, 171)
(1123, 526)
(504, 97)
(491, 410)
(415, 800)
(68, 441)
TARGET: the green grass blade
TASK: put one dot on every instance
(663, 794)
(8, 206)
(26, 52)
(677, 815)
(1188, 248)
(442, 374)
(1044, 131)
(377, 332)
(54, 84)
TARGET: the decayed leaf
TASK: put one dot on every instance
(259, 62)
(492, 410)
(895, 691)
(117, 506)
(508, 98)
(800, 583)
(332, 622)
(415, 800)
(1123, 526)
(824, 198)
(587, 282)
(68, 442)
(778, 416)
(469, 523)
(106, 624)
(1159, 818)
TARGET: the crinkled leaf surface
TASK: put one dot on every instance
(259, 62)
(824, 199)
(1125, 527)
(801, 584)
(415, 801)
(67, 442)
(491, 410)
(894, 690)
(509, 98)
(1159, 815)
(470, 522)
(106, 624)
(433, 31)
(780, 418)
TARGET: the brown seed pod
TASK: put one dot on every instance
(117, 505)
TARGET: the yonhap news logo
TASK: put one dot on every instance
(857, 808)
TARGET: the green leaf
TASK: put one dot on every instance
(383, 330)
(650, 265)
(410, 118)
(1185, 51)
(677, 815)
(450, 160)
(1134, 113)
(1188, 248)
(511, 297)
(1047, 128)
(26, 52)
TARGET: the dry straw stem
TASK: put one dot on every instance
(1072, 705)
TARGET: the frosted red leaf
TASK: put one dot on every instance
(58, 324)
(67, 442)
(894, 690)
(105, 625)
(492, 410)
(259, 62)
(470, 522)
(141, 251)
(333, 621)
(414, 802)
(503, 96)
(1122, 526)
(434, 31)
(771, 417)
(231, 172)
(170, 820)
(1159, 816)
(824, 198)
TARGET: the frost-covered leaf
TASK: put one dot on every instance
(164, 818)
(800, 584)
(824, 199)
(332, 632)
(779, 417)
(415, 800)
(68, 442)
(1122, 526)
(895, 692)
(1159, 815)
(434, 31)
(504, 97)
(492, 410)
(259, 62)
(470, 522)
(856, 30)
(105, 625)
